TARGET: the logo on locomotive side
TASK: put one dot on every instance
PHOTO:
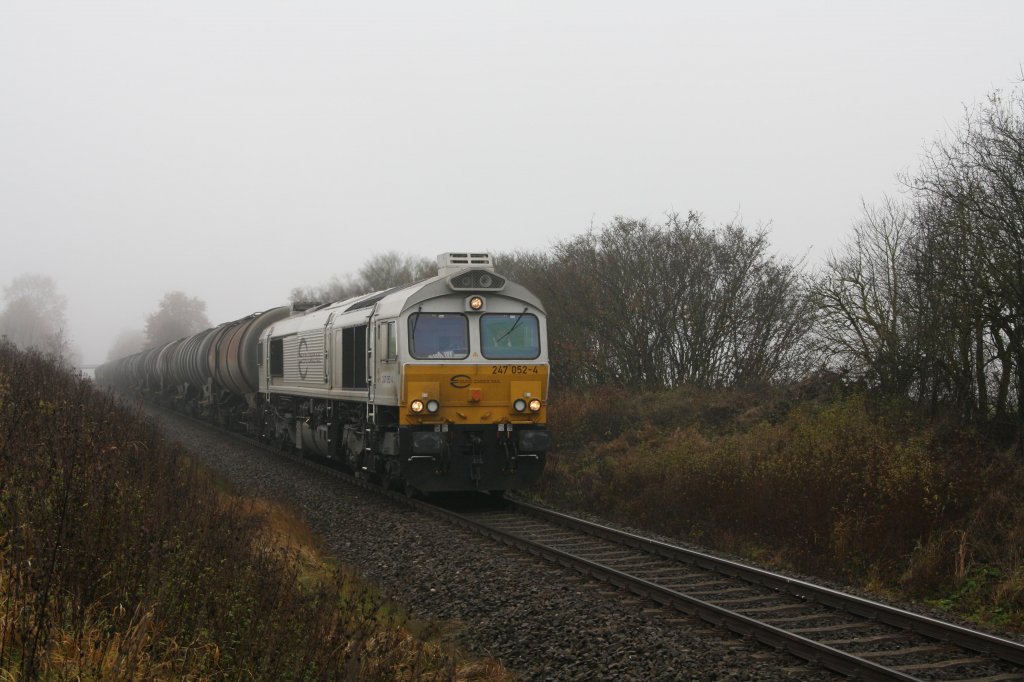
(307, 359)
(303, 349)
(461, 381)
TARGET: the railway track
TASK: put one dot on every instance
(847, 634)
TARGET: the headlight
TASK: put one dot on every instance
(534, 405)
(416, 406)
(519, 405)
(433, 406)
(476, 303)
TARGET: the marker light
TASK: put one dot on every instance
(476, 303)
(433, 406)
(534, 405)
(519, 405)
(416, 406)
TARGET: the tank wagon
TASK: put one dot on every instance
(439, 385)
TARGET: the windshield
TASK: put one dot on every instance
(510, 336)
(438, 335)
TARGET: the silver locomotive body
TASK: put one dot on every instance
(438, 385)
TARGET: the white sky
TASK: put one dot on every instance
(234, 150)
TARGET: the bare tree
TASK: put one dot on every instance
(863, 296)
(977, 177)
(335, 290)
(949, 304)
(927, 298)
(177, 316)
(380, 272)
(641, 304)
(391, 269)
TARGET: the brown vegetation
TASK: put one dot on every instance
(815, 477)
(120, 559)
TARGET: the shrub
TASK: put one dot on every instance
(822, 481)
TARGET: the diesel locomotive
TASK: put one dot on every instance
(435, 386)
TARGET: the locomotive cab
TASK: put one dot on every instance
(470, 406)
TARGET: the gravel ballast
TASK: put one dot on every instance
(541, 621)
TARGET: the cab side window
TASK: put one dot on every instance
(387, 342)
(392, 343)
(277, 357)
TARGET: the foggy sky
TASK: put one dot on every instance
(235, 150)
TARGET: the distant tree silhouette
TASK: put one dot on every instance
(381, 271)
(179, 315)
(33, 316)
(128, 342)
(391, 269)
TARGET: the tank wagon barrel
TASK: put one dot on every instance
(437, 385)
(191, 358)
(165, 363)
(233, 354)
(150, 377)
(131, 371)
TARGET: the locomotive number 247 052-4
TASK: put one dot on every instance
(515, 369)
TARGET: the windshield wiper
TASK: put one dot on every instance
(512, 328)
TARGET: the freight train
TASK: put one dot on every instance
(435, 386)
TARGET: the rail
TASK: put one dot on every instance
(543, 533)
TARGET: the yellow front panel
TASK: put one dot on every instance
(424, 390)
(454, 386)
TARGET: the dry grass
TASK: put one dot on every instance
(121, 560)
(280, 530)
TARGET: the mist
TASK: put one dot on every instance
(237, 151)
